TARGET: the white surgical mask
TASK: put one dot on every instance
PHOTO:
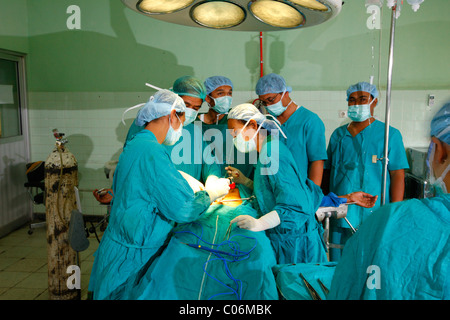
(277, 109)
(359, 113)
(246, 146)
(190, 116)
(173, 135)
(223, 104)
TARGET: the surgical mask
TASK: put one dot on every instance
(438, 184)
(277, 109)
(190, 116)
(359, 113)
(223, 104)
(173, 135)
(245, 146)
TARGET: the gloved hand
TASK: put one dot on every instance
(267, 221)
(211, 180)
(217, 188)
(194, 183)
(239, 177)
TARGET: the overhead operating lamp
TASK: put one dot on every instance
(240, 15)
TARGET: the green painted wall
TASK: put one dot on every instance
(14, 25)
(119, 50)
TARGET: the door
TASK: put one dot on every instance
(15, 202)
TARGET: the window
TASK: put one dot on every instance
(11, 95)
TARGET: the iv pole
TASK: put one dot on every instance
(388, 106)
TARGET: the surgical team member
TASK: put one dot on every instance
(219, 97)
(402, 251)
(150, 196)
(287, 200)
(187, 153)
(305, 131)
(354, 154)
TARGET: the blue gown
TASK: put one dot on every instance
(351, 169)
(408, 244)
(305, 133)
(150, 195)
(188, 153)
(278, 185)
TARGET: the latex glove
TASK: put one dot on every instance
(267, 221)
(210, 181)
(217, 188)
(361, 199)
(194, 183)
(239, 177)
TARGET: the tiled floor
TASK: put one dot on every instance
(23, 265)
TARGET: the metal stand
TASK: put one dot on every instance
(323, 214)
(388, 106)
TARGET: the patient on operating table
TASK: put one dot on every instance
(211, 259)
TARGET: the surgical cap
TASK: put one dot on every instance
(189, 86)
(440, 125)
(363, 86)
(212, 83)
(160, 105)
(271, 83)
(248, 111)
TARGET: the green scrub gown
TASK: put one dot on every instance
(279, 186)
(402, 252)
(350, 161)
(150, 195)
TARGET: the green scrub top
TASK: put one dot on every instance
(402, 252)
(305, 133)
(352, 169)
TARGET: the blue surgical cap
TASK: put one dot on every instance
(248, 111)
(189, 86)
(440, 125)
(363, 86)
(271, 83)
(160, 105)
(212, 83)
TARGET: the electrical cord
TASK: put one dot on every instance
(235, 255)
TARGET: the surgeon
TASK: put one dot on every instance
(219, 97)
(305, 131)
(355, 161)
(286, 200)
(402, 251)
(150, 196)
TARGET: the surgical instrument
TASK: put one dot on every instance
(310, 288)
(325, 289)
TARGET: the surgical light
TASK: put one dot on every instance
(311, 4)
(276, 13)
(240, 15)
(217, 14)
(162, 6)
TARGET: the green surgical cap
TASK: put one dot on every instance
(189, 86)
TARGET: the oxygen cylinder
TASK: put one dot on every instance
(61, 176)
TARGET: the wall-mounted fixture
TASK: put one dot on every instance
(240, 15)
